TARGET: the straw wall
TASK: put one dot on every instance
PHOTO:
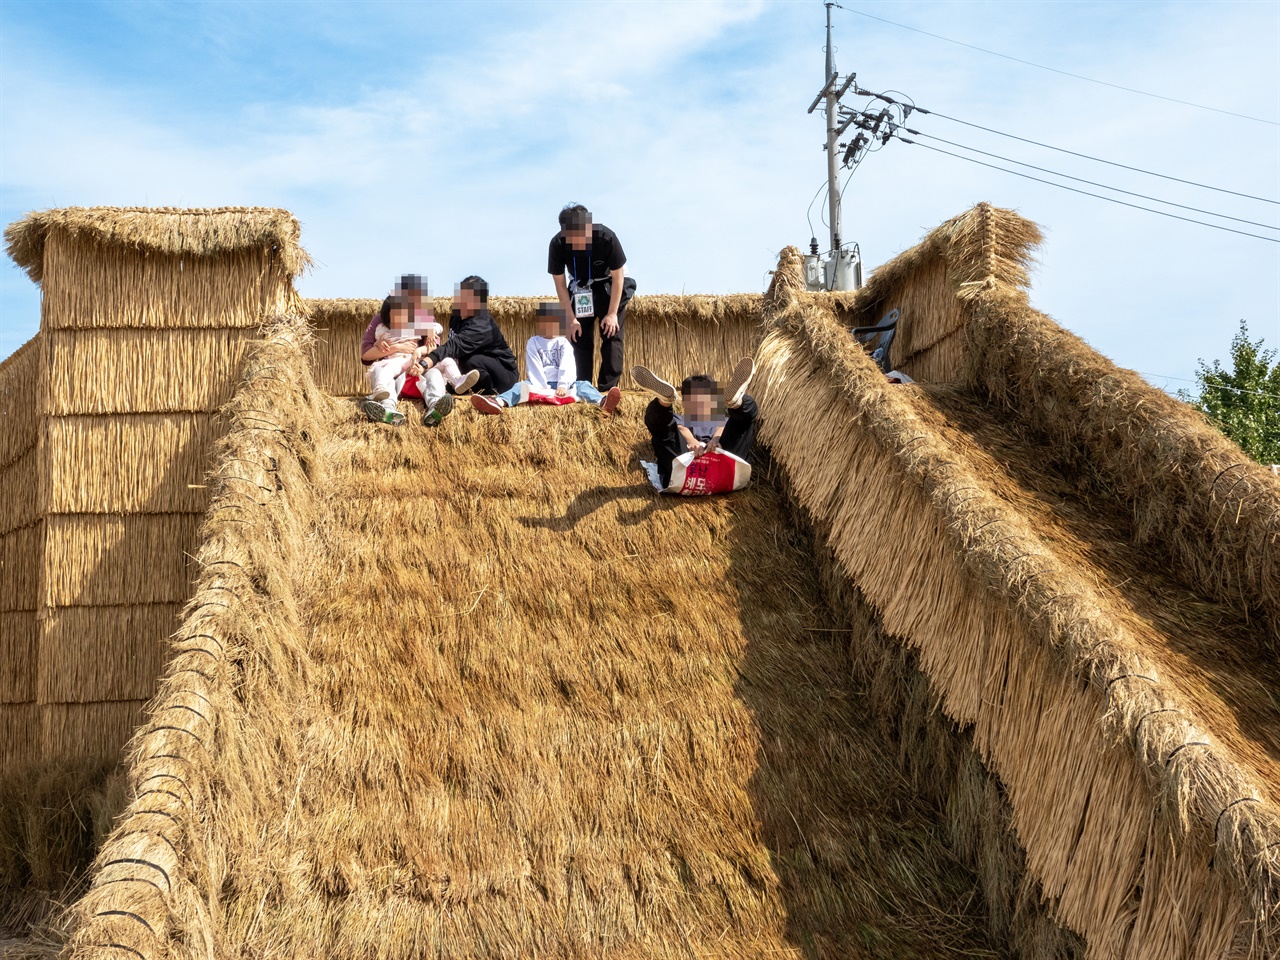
(672, 335)
(143, 314)
(21, 546)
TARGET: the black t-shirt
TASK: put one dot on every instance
(587, 266)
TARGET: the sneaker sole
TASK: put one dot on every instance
(739, 379)
(380, 395)
(468, 382)
(650, 381)
(374, 411)
(443, 407)
(486, 406)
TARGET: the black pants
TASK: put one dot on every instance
(739, 433)
(495, 377)
(584, 349)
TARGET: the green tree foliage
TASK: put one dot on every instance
(1243, 402)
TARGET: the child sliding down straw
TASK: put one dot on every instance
(550, 365)
(403, 335)
(708, 422)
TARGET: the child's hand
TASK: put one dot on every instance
(562, 391)
(713, 445)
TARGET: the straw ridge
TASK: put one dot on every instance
(953, 519)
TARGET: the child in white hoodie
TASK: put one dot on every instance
(550, 368)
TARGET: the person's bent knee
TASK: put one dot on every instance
(658, 416)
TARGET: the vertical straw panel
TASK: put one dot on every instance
(18, 631)
(338, 327)
(20, 553)
(19, 397)
(19, 735)
(97, 286)
(19, 488)
(145, 463)
(142, 371)
(104, 653)
(89, 731)
(940, 363)
(93, 559)
(930, 309)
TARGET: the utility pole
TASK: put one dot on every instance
(833, 178)
(843, 268)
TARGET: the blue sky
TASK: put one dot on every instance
(443, 138)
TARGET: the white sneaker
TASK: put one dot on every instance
(466, 381)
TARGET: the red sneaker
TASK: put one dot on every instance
(611, 401)
(486, 405)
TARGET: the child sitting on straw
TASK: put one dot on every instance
(401, 338)
(708, 422)
(551, 368)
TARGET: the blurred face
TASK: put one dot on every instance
(699, 404)
(401, 321)
(467, 301)
(579, 239)
(548, 327)
(420, 321)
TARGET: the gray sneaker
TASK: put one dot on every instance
(380, 414)
(650, 381)
(738, 381)
(443, 407)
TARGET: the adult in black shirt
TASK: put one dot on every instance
(592, 255)
(475, 340)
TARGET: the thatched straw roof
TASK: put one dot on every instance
(561, 719)
(175, 231)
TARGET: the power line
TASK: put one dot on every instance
(1215, 386)
(1092, 183)
(1063, 186)
(1125, 166)
(1065, 73)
